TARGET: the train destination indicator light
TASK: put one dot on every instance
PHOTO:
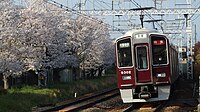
(124, 45)
(141, 36)
(159, 42)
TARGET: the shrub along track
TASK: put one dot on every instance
(181, 98)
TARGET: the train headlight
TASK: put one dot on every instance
(128, 77)
(161, 75)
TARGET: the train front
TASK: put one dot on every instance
(143, 67)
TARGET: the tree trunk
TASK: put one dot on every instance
(100, 69)
(45, 76)
(6, 84)
(75, 73)
(92, 73)
(50, 76)
(42, 78)
(39, 79)
(83, 72)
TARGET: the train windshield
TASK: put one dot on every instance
(142, 62)
(124, 53)
(159, 50)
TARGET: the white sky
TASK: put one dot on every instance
(128, 4)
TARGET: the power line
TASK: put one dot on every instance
(148, 15)
(94, 5)
(123, 16)
(195, 18)
(105, 3)
(100, 7)
(78, 13)
(194, 13)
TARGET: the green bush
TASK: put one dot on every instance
(24, 98)
(2, 91)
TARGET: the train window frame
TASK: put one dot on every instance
(136, 59)
(167, 48)
(117, 55)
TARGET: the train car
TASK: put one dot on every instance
(147, 66)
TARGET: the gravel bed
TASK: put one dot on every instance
(179, 109)
(184, 90)
(112, 105)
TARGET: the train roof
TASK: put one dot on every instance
(143, 30)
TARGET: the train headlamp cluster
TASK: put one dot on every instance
(125, 72)
(161, 75)
(127, 77)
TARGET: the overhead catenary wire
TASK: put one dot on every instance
(68, 9)
(123, 16)
(195, 18)
(148, 15)
(101, 6)
(104, 3)
(195, 13)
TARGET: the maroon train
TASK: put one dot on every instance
(147, 66)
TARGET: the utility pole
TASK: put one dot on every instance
(82, 5)
(195, 34)
(177, 26)
(142, 19)
(189, 43)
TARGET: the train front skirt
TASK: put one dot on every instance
(163, 94)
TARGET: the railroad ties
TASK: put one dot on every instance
(83, 102)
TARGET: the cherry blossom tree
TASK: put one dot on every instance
(10, 63)
(46, 30)
(32, 39)
(90, 38)
(40, 36)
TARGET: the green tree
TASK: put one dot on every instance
(197, 57)
(197, 52)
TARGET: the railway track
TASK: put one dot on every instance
(129, 109)
(82, 102)
(160, 106)
(149, 106)
(177, 99)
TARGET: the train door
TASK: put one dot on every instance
(143, 72)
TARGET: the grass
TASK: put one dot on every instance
(24, 98)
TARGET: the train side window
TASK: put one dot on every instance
(124, 53)
(142, 62)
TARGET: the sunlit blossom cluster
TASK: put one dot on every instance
(39, 36)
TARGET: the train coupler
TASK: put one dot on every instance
(144, 95)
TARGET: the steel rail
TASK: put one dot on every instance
(161, 106)
(82, 102)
